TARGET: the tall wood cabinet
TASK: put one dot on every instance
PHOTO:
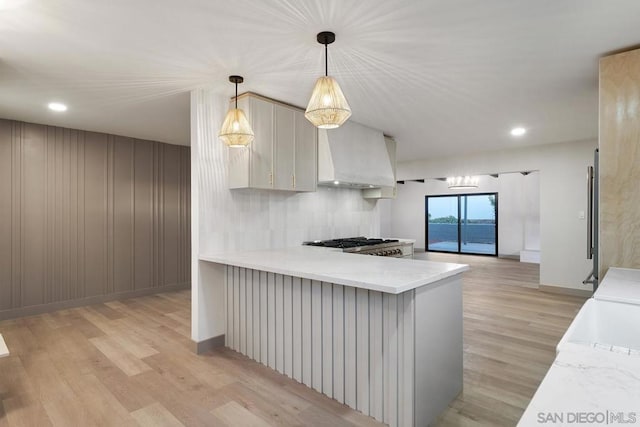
(619, 143)
(283, 155)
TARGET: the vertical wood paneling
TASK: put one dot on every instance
(256, 316)
(71, 181)
(362, 350)
(350, 347)
(264, 308)
(95, 213)
(52, 252)
(406, 360)
(338, 343)
(271, 320)
(123, 214)
(82, 240)
(243, 310)
(109, 241)
(83, 214)
(6, 216)
(34, 215)
(316, 335)
(249, 312)
(306, 332)
(354, 345)
(236, 308)
(375, 355)
(279, 306)
(170, 213)
(229, 293)
(296, 316)
(390, 350)
(143, 214)
(288, 326)
(327, 339)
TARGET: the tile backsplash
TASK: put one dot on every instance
(262, 219)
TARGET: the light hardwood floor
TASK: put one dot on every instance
(130, 363)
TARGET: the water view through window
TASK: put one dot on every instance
(465, 223)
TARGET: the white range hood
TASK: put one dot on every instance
(353, 155)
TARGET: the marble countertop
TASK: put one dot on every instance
(620, 285)
(586, 380)
(384, 274)
(593, 381)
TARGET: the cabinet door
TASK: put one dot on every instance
(261, 167)
(306, 154)
(283, 170)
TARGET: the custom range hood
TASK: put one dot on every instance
(353, 155)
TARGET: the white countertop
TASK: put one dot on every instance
(620, 285)
(384, 274)
(584, 379)
(600, 379)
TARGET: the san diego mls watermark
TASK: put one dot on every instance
(586, 418)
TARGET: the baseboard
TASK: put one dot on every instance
(208, 344)
(506, 256)
(566, 291)
(99, 299)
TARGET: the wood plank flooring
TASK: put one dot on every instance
(510, 333)
(129, 363)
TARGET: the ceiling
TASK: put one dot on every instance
(443, 77)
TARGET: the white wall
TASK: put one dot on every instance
(223, 219)
(517, 210)
(531, 203)
(562, 169)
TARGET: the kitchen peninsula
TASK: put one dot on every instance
(381, 335)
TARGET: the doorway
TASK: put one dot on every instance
(462, 223)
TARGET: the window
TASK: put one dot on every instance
(464, 223)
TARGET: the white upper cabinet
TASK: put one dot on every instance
(306, 154)
(283, 155)
(285, 147)
(261, 149)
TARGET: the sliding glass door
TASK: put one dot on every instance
(442, 224)
(465, 223)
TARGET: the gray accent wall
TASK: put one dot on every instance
(85, 215)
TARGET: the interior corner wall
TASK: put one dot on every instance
(531, 204)
(247, 219)
(86, 217)
(563, 196)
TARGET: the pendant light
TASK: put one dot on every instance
(236, 130)
(328, 108)
(463, 182)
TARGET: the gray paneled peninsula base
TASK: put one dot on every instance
(381, 335)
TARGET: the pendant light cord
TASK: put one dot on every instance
(326, 60)
(236, 95)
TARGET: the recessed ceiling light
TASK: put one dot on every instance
(57, 106)
(519, 131)
(336, 182)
